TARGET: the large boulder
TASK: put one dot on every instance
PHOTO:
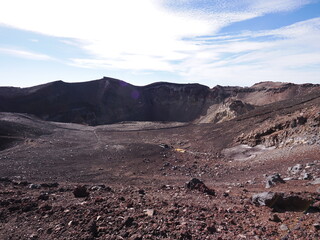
(282, 202)
(265, 199)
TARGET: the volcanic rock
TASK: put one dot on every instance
(49, 185)
(316, 226)
(275, 218)
(149, 212)
(200, 186)
(306, 176)
(128, 221)
(34, 186)
(81, 192)
(92, 228)
(212, 229)
(281, 201)
(5, 179)
(316, 181)
(273, 180)
(283, 227)
(295, 169)
(265, 199)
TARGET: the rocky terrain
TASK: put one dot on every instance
(110, 100)
(244, 164)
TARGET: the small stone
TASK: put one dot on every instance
(273, 180)
(49, 185)
(33, 236)
(275, 218)
(96, 188)
(5, 179)
(316, 204)
(128, 221)
(43, 197)
(316, 226)
(212, 229)
(284, 227)
(149, 212)
(307, 176)
(93, 228)
(45, 207)
(295, 169)
(288, 178)
(141, 192)
(316, 181)
(34, 186)
(80, 192)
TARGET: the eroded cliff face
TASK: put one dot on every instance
(225, 111)
(226, 103)
(110, 100)
(300, 127)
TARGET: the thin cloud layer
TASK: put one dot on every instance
(178, 37)
(291, 53)
(25, 54)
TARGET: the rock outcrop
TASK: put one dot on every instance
(287, 130)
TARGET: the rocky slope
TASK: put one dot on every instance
(109, 100)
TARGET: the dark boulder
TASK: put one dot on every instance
(196, 184)
(282, 202)
(80, 192)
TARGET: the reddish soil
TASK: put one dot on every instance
(135, 176)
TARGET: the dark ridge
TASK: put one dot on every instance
(109, 100)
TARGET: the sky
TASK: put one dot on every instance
(211, 42)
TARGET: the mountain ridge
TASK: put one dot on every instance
(110, 100)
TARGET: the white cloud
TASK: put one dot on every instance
(25, 54)
(290, 53)
(272, 6)
(153, 36)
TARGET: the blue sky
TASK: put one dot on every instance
(212, 42)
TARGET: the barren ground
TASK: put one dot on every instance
(135, 174)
